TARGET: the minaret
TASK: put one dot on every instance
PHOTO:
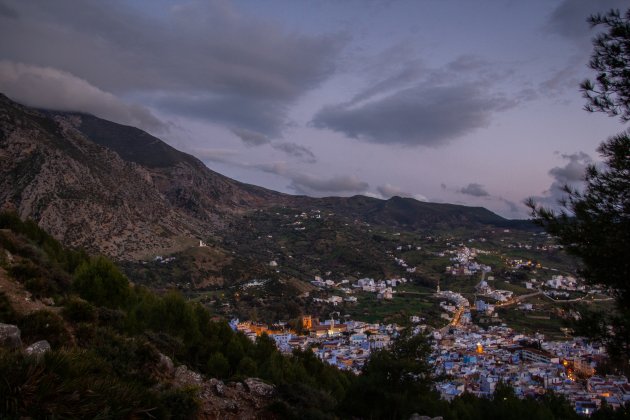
(438, 286)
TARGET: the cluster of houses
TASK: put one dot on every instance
(521, 263)
(564, 283)
(484, 289)
(160, 259)
(464, 263)
(384, 289)
(544, 247)
(477, 360)
(346, 345)
(474, 359)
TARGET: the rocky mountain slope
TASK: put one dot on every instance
(119, 191)
(109, 188)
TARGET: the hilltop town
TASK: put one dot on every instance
(476, 334)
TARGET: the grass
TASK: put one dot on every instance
(544, 322)
(398, 309)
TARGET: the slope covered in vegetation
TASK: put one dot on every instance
(115, 346)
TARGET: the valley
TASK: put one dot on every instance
(360, 270)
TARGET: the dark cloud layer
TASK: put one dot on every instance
(49, 88)
(301, 152)
(204, 58)
(251, 138)
(571, 174)
(6, 11)
(569, 18)
(314, 185)
(474, 189)
(422, 115)
(388, 191)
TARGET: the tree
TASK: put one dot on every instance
(100, 282)
(596, 227)
(611, 91)
(395, 382)
(595, 224)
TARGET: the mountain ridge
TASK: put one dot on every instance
(120, 191)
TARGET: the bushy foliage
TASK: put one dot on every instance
(45, 325)
(610, 93)
(80, 384)
(67, 259)
(7, 313)
(106, 352)
(78, 310)
(595, 224)
(395, 382)
(99, 281)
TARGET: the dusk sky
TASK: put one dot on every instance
(459, 101)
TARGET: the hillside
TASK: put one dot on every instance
(77, 340)
(118, 191)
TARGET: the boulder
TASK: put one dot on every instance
(218, 387)
(258, 387)
(38, 348)
(10, 336)
(185, 376)
(166, 365)
(48, 301)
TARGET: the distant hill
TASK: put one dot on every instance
(117, 190)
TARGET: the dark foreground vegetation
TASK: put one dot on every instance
(109, 337)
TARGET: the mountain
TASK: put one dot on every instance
(110, 188)
(117, 190)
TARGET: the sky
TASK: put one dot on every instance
(473, 103)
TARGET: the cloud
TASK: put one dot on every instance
(213, 155)
(424, 115)
(388, 191)
(574, 171)
(565, 79)
(314, 185)
(277, 168)
(251, 138)
(45, 87)
(299, 182)
(201, 59)
(569, 18)
(512, 206)
(467, 63)
(474, 189)
(303, 153)
(265, 118)
(571, 174)
(6, 11)
(410, 72)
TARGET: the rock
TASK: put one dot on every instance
(230, 406)
(10, 336)
(187, 377)
(38, 348)
(166, 365)
(48, 301)
(238, 386)
(218, 387)
(258, 387)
